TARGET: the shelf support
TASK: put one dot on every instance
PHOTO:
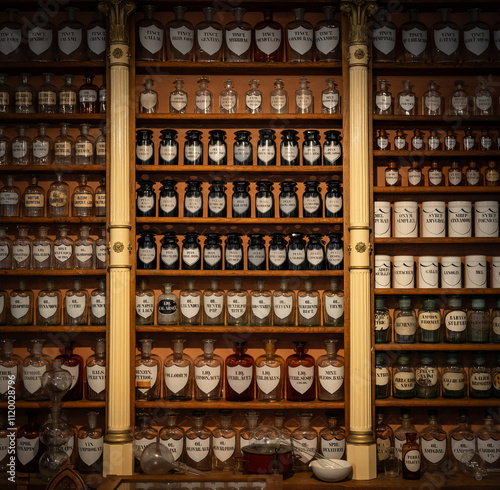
(361, 449)
(118, 444)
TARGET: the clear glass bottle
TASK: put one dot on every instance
(10, 371)
(327, 37)
(228, 99)
(403, 377)
(405, 322)
(88, 96)
(5, 250)
(483, 100)
(432, 101)
(4, 300)
(401, 431)
(47, 96)
(238, 38)
(400, 142)
(172, 436)
(179, 34)
(73, 363)
(455, 321)
(253, 98)
(414, 37)
(96, 38)
(71, 37)
(147, 373)
(144, 435)
(100, 148)
(332, 439)
(239, 374)
(382, 321)
(283, 305)
(21, 305)
(462, 438)
(63, 250)
(450, 141)
(208, 373)
(203, 101)
(247, 432)
(459, 100)
(11, 43)
(84, 250)
(10, 199)
(101, 250)
(478, 321)
(382, 377)
(495, 316)
(480, 382)
(209, 36)
(144, 304)
(90, 446)
(300, 374)
(68, 96)
(34, 366)
(225, 441)
(330, 373)
(485, 142)
(384, 103)
(148, 98)
(24, 96)
(278, 98)
(330, 98)
(237, 305)
(269, 374)
(426, 377)
(21, 148)
(429, 321)
(64, 147)
(5, 147)
(149, 35)
(167, 307)
(333, 304)
(300, 37)
(304, 100)
(488, 442)
(178, 98)
(445, 39)
(98, 303)
(76, 305)
(383, 37)
(85, 147)
(433, 141)
(384, 437)
(22, 250)
(178, 372)
(199, 443)
(43, 147)
(82, 200)
(190, 307)
(476, 39)
(43, 250)
(308, 306)
(454, 378)
(269, 45)
(260, 305)
(407, 102)
(469, 140)
(305, 442)
(213, 304)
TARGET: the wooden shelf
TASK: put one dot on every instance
(236, 170)
(69, 171)
(418, 69)
(253, 405)
(230, 329)
(243, 221)
(267, 273)
(435, 291)
(437, 154)
(52, 272)
(393, 121)
(56, 221)
(59, 328)
(442, 346)
(47, 404)
(443, 241)
(53, 119)
(480, 190)
(438, 402)
(57, 67)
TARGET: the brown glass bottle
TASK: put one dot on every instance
(435, 174)
(415, 175)
(382, 140)
(400, 142)
(73, 363)
(29, 448)
(492, 175)
(268, 38)
(300, 385)
(411, 457)
(392, 175)
(240, 374)
(455, 175)
(88, 99)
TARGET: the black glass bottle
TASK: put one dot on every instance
(288, 200)
(146, 251)
(242, 149)
(266, 147)
(193, 148)
(297, 252)
(335, 252)
(169, 252)
(278, 257)
(212, 252)
(289, 148)
(168, 153)
(146, 199)
(332, 148)
(334, 203)
(168, 202)
(264, 200)
(217, 201)
(233, 252)
(191, 252)
(240, 201)
(311, 148)
(193, 200)
(312, 203)
(217, 148)
(256, 253)
(144, 148)
(315, 253)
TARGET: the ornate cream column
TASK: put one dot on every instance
(118, 444)
(361, 449)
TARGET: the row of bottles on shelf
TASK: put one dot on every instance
(455, 324)
(297, 256)
(64, 150)
(26, 374)
(47, 99)
(62, 253)
(403, 272)
(259, 307)
(434, 218)
(438, 450)
(240, 377)
(443, 42)
(425, 380)
(77, 307)
(56, 202)
(254, 102)
(41, 41)
(461, 103)
(208, 41)
(288, 207)
(243, 154)
(220, 448)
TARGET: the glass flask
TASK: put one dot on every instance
(209, 35)
(288, 200)
(330, 373)
(98, 303)
(382, 377)
(384, 103)
(405, 322)
(22, 250)
(266, 147)
(406, 427)
(333, 199)
(300, 37)
(29, 447)
(96, 38)
(308, 306)
(260, 305)
(90, 446)
(462, 438)
(253, 98)
(256, 253)
(432, 101)
(41, 45)
(407, 102)
(144, 435)
(384, 436)
(480, 382)
(34, 366)
(426, 377)
(239, 374)
(147, 373)
(212, 252)
(47, 96)
(10, 371)
(199, 449)
(64, 147)
(68, 96)
(225, 440)
(101, 250)
(178, 373)
(304, 100)
(22, 150)
(172, 436)
(476, 39)
(228, 99)
(429, 321)
(144, 147)
(71, 37)
(208, 373)
(454, 378)
(63, 250)
(445, 39)
(488, 442)
(237, 305)
(82, 200)
(264, 199)
(238, 38)
(311, 148)
(240, 200)
(100, 148)
(144, 304)
(84, 250)
(383, 37)
(76, 305)
(483, 100)
(148, 98)
(11, 37)
(414, 37)
(43, 250)
(10, 199)
(283, 305)
(191, 252)
(304, 442)
(146, 251)
(179, 34)
(455, 321)
(333, 304)
(242, 148)
(85, 147)
(167, 308)
(269, 374)
(332, 439)
(403, 377)
(289, 148)
(88, 96)
(149, 35)
(478, 321)
(411, 458)
(5, 250)
(95, 372)
(382, 322)
(5, 146)
(73, 363)
(217, 148)
(42, 147)
(213, 304)
(278, 99)
(327, 37)
(203, 101)
(190, 307)
(268, 38)
(330, 98)
(300, 382)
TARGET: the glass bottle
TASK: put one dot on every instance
(42, 147)
(199, 443)
(49, 305)
(383, 37)
(228, 99)
(426, 377)
(21, 148)
(82, 200)
(454, 378)
(238, 38)
(384, 103)
(407, 102)
(101, 249)
(5, 146)
(268, 38)
(68, 96)
(242, 148)
(400, 142)
(455, 321)
(47, 96)
(148, 98)
(146, 199)
(311, 148)
(190, 307)
(208, 373)
(96, 38)
(144, 147)
(476, 39)
(483, 100)
(266, 147)
(289, 148)
(297, 252)
(11, 39)
(269, 372)
(98, 303)
(253, 98)
(403, 377)
(213, 304)
(333, 200)
(382, 322)
(84, 250)
(382, 140)
(480, 382)
(478, 321)
(149, 35)
(315, 253)
(10, 372)
(459, 100)
(304, 100)
(446, 38)
(178, 373)
(22, 250)
(167, 306)
(85, 147)
(225, 439)
(64, 147)
(63, 250)
(406, 427)
(178, 100)
(411, 457)
(40, 45)
(73, 363)
(432, 101)
(237, 305)
(300, 382)
(193, 148)
(169, 252)
(450, 141)
(191, 252)
(312, 203)
(193, 200)
(305, 442)
(488, 442)
(102, 97)
(330, 98)
(203, 98)
(34, 366)
(212, 252)
(144, 435)
(147, 373)
(283, 305)
(308, 306)
(88, 100)
(70, 37)
(414, 37)
(264, 199)
(495, 318)
(485, 142)
(429, 321)
(24, 96)
(100, 199)
(76, 305)
(469, 140)
(333, 304)
(384, 436)
(495, 377)
(382, 377)
(455, 175)
(330, 373)
(278, 257)
(256, 253)
(240, 372)
(278, 98)
(405, 322)
(144, 304)
(10, 198)
(279, 419)
(42, 250)
(246, 433)
(288, 200)
(168, 153)
(260, 305)
(473, 175)
(4, 299)
(146, 251)
(28, 446)
(172, 436)
(327, 37)
(462, 438)
(417, 141)
(90, 446)
(209, 35)
(217, 148)
(179, 34)
(299, 36)
(5, 250)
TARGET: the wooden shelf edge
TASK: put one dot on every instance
(443, 240)
(436, 190)
(241, 169)
(266, 273)
(435, 292)
(444, 119)
(230, 329)
(53, 118)
(441, 346)
(48, 404)
(72, 220)
(70, 169)
(51, 272)
(60, 328)
(242, 221)
(436, 153)
(438, 402)
(255, 404)
(237, 117)
(237, 67)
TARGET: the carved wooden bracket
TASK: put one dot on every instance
(118, 12)
(358, 12)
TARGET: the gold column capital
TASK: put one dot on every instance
(118, 12)
(358, 12)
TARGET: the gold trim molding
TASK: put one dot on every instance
(118, 12)
(358, 12)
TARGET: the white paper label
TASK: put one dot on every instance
(75, 306)
(144, 152)
(39, 39)
(190, 305)
(432, 102)
(311, 153)
(309, 445)
(144, 306)
(446, 39)
(382, 376)
(407, 102)
(268, 378)
(300, 39)
(74, 371)
(261, 306)
(278, 102)
(301, 378)
(178, 102)
(190, 255)
(433, 450)
(176, 446)
(193, 204)
(383, 102)
(182, 39)
(456, 321)
(47, 305)
(264, 204)
(209, 40)
(239, 377)
(236, 306)
(268, 40)
(62, 253)
(253, 101)
(240, 204)
(238, 40)
(32, 378)
(96, 40)
(330, 101)
(213, 305)
(145, 377)
(308, 306)
(27, 449)
(7, 374)
(384, 39)
(277, 257)
(412, 460)
(145, 203)
(19, 306)
(197, 449)
(96, 378)
(151, 37)
(212, 256)
(256, 256)
(462, 446)
(98, 306)
(224, 447)
(90, 450)
(331, 378)
(10, 39)
(488, 449)
(266, 153)
(480, 381)
(404, 381)
(332, 448)
(176, 377)
(334, 306)
(483, 102)
(216, 151)
(289, 152)
(283, 306)
(477, 40)
(69, 40)
(453, 381)
(20, 253)
(303, 101)
(168, 204)
(207, 377)
(415, 40)
(326, 39)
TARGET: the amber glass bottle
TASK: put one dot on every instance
(240, 374)
(411, 457)
(300, 385)
(73, 363)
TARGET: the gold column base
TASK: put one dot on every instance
(118, 458)
(363, 458)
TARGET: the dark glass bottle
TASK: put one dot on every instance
(73, 363)
(191, 252)
(240, 200)
(41, 43)
(217, 200)
(146, 199)
(88, 100)
(217, 148)
(289, 148)
(311, 148)
(429, 321)
(479, 377)
(146, 251)
(478, 321)
(382, 377)
(403, 377)
(454, 379)
(242, 148)
(193, 148)
(168, 151)
(268, 38)
(29, 448)
(264, 200)
(384, 38)
(11, 42)
(315, 253)
(256, 253)
(300, 382)
(266, 147)
(426, 377)
(71, 38)
(233, 253)
(335, 252)
(149, 35)
(193, 200)
(334, 205)
(312, 203)
(288, 200)
(168, 202)
(278, 257)
(455, 321)
(382, 322)
(169, 252)
(411, 457)
(297, 252)
(332, 148)
(240, 374)
(96, 39)
(212, 252)
(144, 148)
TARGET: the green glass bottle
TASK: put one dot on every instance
(455, 321)
(383, 322)
(478, 321)
(405, 322)
(426, 377)
(479, 377)
(403, 377)
(429, 322)
(454, 379)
